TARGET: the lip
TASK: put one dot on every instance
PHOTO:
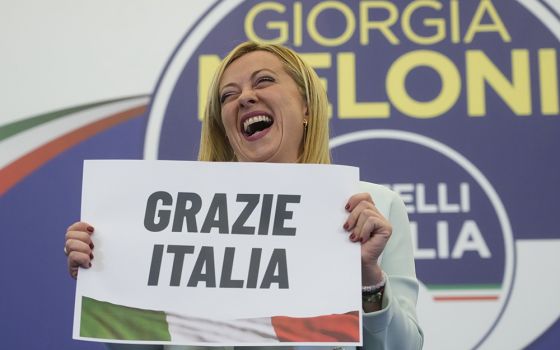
(258, 134)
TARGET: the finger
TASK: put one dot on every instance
(78, 235)
(376, 227)
(356, 199)
(73, 270)
(355, 214)
(80, 226)
(74, 245)
(76, 260)
(79, 259)
(366, 216)
(367, 230)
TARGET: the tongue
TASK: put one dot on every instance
(255, 127)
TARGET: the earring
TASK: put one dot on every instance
(304, 129)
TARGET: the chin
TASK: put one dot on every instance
(263, 159)
(258, 154)
(267, 155)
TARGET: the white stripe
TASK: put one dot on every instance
(199, 330)
(22, 143)
(543, 14)
(465, 292)
(555, 5)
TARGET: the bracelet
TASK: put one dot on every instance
(373, 298)
(374, 294)
(376, 288)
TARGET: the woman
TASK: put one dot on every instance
(267, 105)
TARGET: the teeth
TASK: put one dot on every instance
(255, 119)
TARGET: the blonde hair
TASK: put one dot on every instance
(214, 145)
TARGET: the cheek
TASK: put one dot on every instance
(296, 120)
(228, 121)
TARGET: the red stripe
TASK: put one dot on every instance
(328, 328)
(20, 168)
(471, 298)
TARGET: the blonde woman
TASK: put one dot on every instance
(266, 105)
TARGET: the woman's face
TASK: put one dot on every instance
(262, 109)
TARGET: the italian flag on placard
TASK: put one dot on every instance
(104, 320)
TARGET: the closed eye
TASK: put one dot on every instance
(225, 96)
(264, 79)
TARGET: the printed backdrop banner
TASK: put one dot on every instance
(218, 243)
(452, 104)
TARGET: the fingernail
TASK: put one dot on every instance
(90, 229)
(89, 264)
(91, 256)
(352, 237)
(346, 226)
(347, 206)
(91, 245)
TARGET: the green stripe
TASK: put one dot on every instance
(21, 125)
(104, 320)
(463, 286)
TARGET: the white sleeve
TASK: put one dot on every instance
(395, 326)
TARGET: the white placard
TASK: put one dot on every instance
(200, 246)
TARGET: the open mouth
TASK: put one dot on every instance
(256, 123)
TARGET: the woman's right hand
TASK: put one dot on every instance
(78, 247)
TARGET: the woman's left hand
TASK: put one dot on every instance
(367, 225)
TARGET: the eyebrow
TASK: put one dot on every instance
(252, 77)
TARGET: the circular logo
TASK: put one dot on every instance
(462, 236)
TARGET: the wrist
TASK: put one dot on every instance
(372, 275)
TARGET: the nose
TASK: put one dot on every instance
(247, 98)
